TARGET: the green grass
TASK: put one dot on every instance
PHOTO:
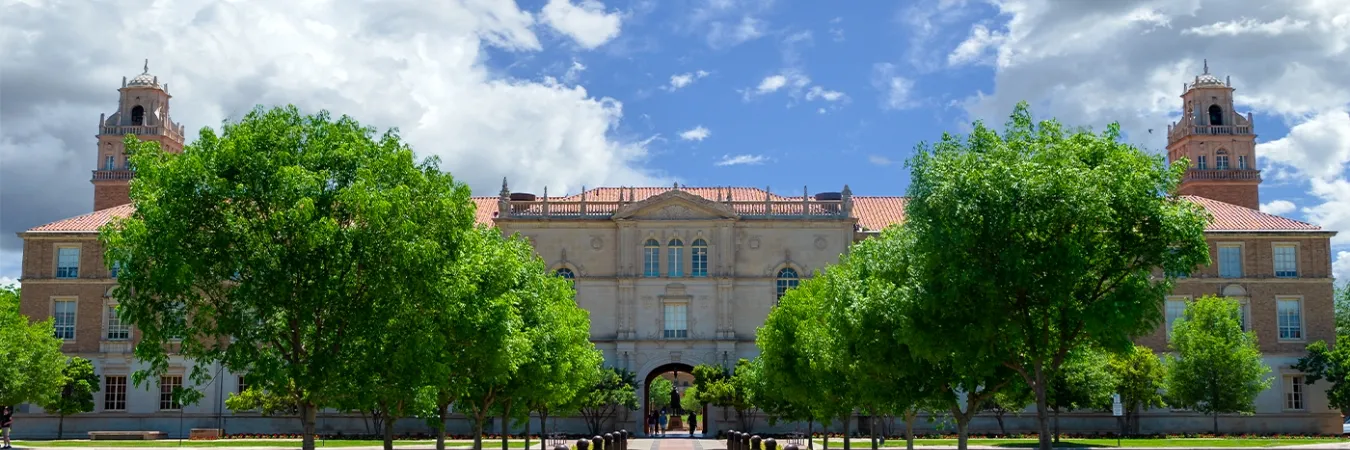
(864, 444)
(295, 443)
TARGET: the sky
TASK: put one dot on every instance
(566, 94)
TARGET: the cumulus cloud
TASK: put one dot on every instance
(697, 133)
(1278, 207)
(588, 23)
(817, 92)
(735, 160)
(896, 90)
(728, 23)
(419, 66)
(1318, 147)
(1340, 269)
(684, 79)
(879, 160)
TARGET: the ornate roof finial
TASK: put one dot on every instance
(677, 185)
(1206, 66)
(147, 66)
(505, 190)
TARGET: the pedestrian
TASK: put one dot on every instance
(693, 423)
(663, 424)
(6, 421)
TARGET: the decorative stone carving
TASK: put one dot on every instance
(754, 243)
(597, 243)
(821, 243)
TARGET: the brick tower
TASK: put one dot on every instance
(1219, 143)
(143, 111)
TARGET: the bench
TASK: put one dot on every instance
(204, 434)
(126, 435)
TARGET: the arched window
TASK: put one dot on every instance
(566, 273)
(1221, 159)
(675, 264)
(651, 258)
(699, 256)
(787, 279)
(1215, 115)
(138, 115)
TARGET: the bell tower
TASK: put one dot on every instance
(143, 111)
(1219, 143)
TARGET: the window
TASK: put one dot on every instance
(1230, 261)
(115, 393)
(110, 162)
(63, 314)
(1289, 317)
(676, 320)
(138, 115)
(1200, 162)
(1293, 392)
(1176, 309)
(117, 330)
(1244, 308)
(787, 279)
(651, 258)
(566, 273)
(1286, 261)
(699, 256)
(67, 262)
(1242, 162)
(1221, 162)
(243, 386)
(675, 265)
(1215, 115)
(167, 385)
(115, 269)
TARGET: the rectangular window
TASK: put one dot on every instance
(1244, 307)
(699, 261)
(676, 324)
(167, 385)
(1242, 162)
(109, 163)
(1289, 317)
(1293, 392)
(651, 261)
(115, 393)
(1286, 261)
(1221, 162)
(1230, 261)
(117, 330)
(242, 385)
(1200, 162)
(116, 269)
(1176, 309)
(675, 264)
(67, 262)
(63, 316)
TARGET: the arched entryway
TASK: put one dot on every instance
(681, 375)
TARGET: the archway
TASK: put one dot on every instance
(682, 377)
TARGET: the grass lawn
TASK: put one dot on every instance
(863, 444)
(337, 443)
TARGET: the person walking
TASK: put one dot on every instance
(663, 424)
(6, 422)
(693, 423)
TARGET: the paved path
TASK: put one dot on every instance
(669, 443)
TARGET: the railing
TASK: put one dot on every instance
(114, 346)
(1221, 129)
(746, 209)
(119, 174)
(141, 130)
(1231, 174)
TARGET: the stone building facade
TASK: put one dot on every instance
(678, 276)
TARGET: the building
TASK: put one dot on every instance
(679, 276)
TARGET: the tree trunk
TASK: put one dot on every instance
(506, 426)
(388, 432)
(443, 409)
(909, 429)
(962, 433)
(478, 418)
(543, 428)
(527, 430)
(308, 417)
(848, 420)
(61, 426)
(827, 439)
(810, 431)
(1042, 407)
(1216, 423)
(1056, 410)
(873, 428)
(1002, 429)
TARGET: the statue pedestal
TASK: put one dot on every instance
(674, 422)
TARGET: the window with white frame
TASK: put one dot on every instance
(117, 329)
(699, 258)
(676, 317)
(1200, 162)
(651, 258)
(675, 262)
(1244, 311)
(1230, 261)
(1289, 318)
(1176, 309)
(168, 384)
(787, 279)
(566, 273)
(63, 318)
(115, 393)
(1242, 162)
(243, 386)
(1286, 261)
(1293, 392)
(109, 163)
(68, 262)
(1221, 162)
(115, 269)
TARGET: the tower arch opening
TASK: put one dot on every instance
(138, 115)
(1215, 115)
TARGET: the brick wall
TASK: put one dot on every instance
(1241, 194)
(108, 194)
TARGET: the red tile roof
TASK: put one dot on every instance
(872, 212)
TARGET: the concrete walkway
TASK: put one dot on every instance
(669, 443)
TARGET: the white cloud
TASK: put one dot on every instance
(1318, 147)
(730, 160)
(975, 47)
(574, 72)
(1245, 26)
(588, 24)
(790, 80)
(1334, 211)
(1340, 269)
(837, 31)
(6, 281)
(725, 34)
(727, 23)
(1278, 207)
(697, 133)
(896, 90)
(419, 66)
(879, 160)
(817, 92)
(771, 83)
(684, 79)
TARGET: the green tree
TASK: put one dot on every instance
(1217, 367)
(1036, 241)
(1331, 364)
(77, 392)
(658, 392)
(31, 355)
(277, 246)
(1084, 382)
(1141, 378)
(615, 389)
(728, 389)
(689, 401)
(1342, 308)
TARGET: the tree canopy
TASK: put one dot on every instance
(1217, 368)
(77, 392)
(31, 362)
(1141, 382)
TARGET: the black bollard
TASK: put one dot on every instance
(754, 442)
(609, 441)
(560, 447)
(583, 444)
(735, 442)
(745, 442)
(792, 447)
(597, 443)
(621, 439)
(770, 444)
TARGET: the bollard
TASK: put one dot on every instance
(583, 444)
(560, 447)
(754, 442)
(597, 443)
(609, 441)
(620, 439)
(734, 442)
(770, 444)
(745, 442)
(792, 447)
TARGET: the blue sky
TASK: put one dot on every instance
(566, 94)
